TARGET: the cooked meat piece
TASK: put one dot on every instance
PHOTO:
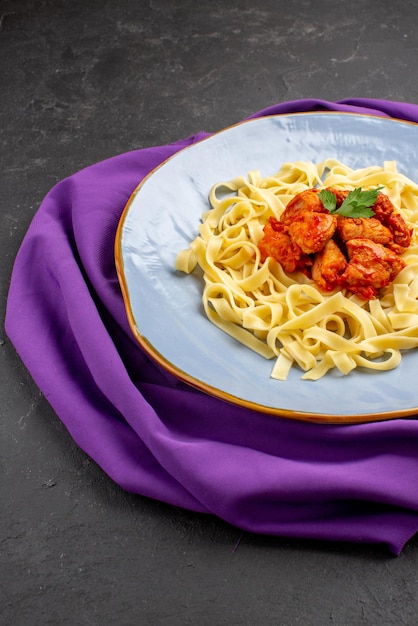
(305, 202)
(401, 233)
(369, 227)
(384, 211)
(313, 231)
(328, 266)
(277, 244)
(371, 266)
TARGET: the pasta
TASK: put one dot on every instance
(284, 316)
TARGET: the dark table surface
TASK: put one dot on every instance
(82, 81)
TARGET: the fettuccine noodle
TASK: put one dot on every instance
(284, 316)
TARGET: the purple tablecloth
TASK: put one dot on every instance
(157, 437)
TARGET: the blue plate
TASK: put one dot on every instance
(164, 306)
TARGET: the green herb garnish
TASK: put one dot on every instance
(356, 204)
(328, 199)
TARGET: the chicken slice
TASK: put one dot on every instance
(277, 244)
(401, 233)
(313, 231)
(371, 266)
(384, 211)
(307, 201)
(328, 266)
(368, 227)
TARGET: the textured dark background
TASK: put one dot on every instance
(82, 80)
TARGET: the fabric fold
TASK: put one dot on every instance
(157, 437)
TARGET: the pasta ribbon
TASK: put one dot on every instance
(284, 317)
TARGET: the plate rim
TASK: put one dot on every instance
(167, 365)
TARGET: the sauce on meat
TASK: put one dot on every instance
(337, 252)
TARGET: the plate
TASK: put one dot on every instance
(164, 306)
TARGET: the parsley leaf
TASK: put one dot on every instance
(358, 203)
(328, 199)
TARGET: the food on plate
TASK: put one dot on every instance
(316, 266)
(332, 237)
